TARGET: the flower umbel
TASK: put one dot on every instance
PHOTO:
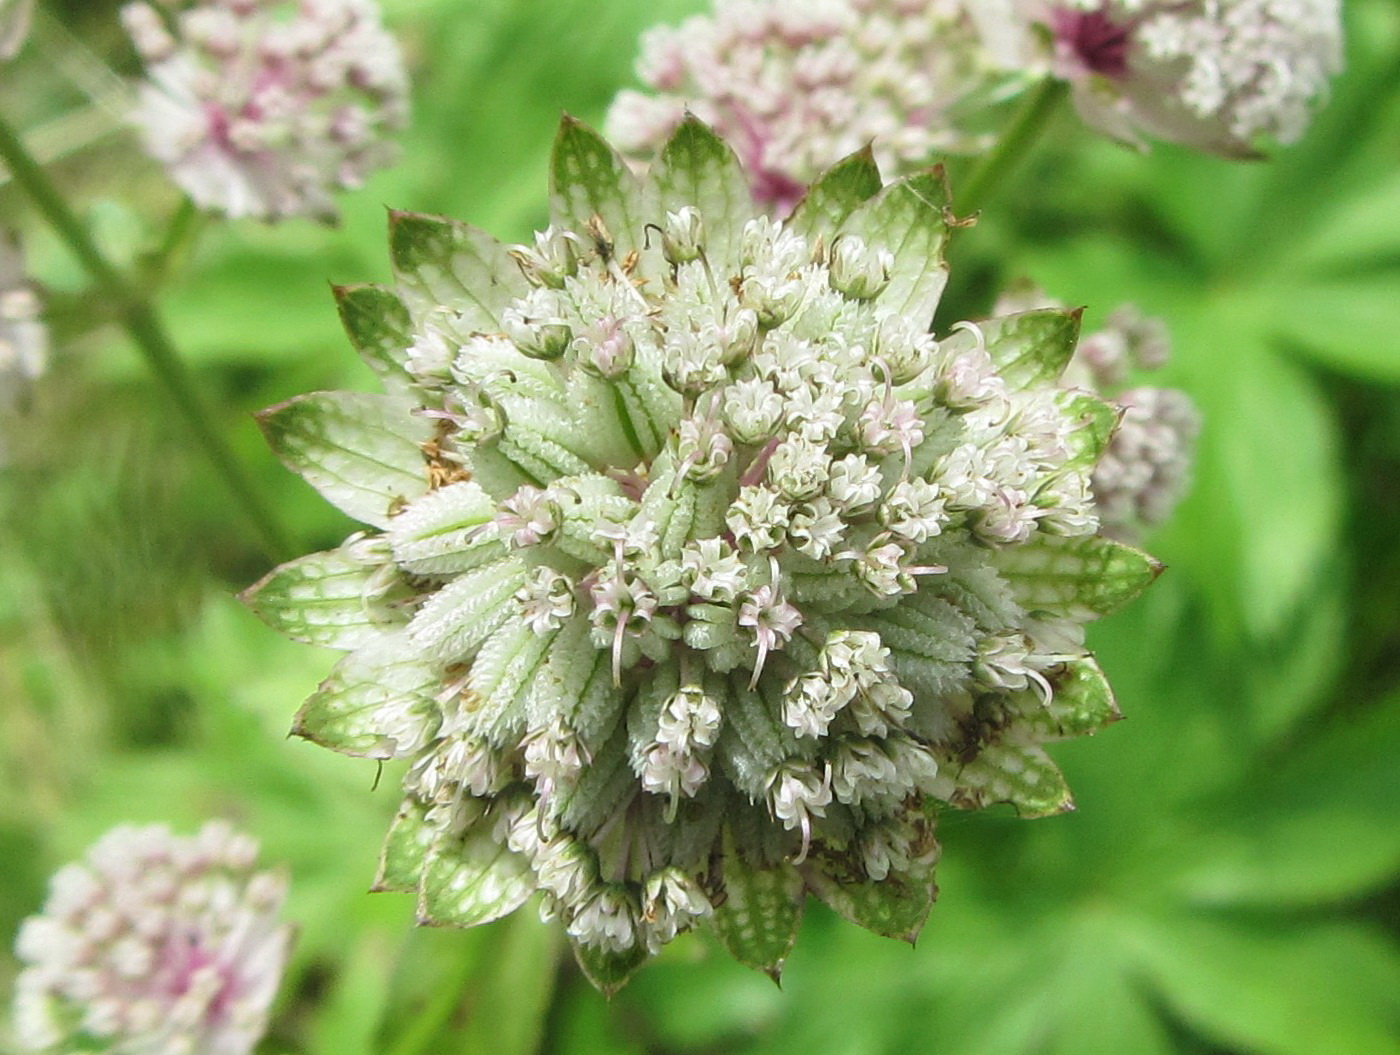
(796, 87)
(266, 108)
(1218, 75)
(690, 631)
(154, 943)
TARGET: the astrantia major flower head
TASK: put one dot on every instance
(1218, 75)
(700, 574)
(796, 87)
(267, 108)
(154, 944)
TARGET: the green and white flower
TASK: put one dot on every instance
(699, 574)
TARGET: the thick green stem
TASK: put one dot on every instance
(1032, 119)
(148, 334)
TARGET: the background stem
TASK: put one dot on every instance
(147, 332)
(1013, 146)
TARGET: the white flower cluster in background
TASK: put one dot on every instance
(267, 108)
(1218, 75)
(702, 567)
(797, 86)
(154, 944)
(14, 26)
(1146, 469)
(24, 340)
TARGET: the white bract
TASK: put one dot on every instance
(154, 944)
(695, 588)
(267, 108)
(797, 86)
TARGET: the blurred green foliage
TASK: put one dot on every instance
(1231, 880)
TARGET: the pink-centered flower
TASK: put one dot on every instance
(154, 943)
(267, 108)
(1219, 75)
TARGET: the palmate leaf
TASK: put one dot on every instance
(360, 450)
(758, 920)
(1314, 989)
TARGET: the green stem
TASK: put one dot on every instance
(1027, 126)
(180, 236)
(147, 332)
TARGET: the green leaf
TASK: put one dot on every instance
(379, 327)
(608, 971)
(1078, 578)
(405, 849)
(761, 913)
(361, 451)
(1023, 776)
(894, 907)
(1312, 825)
(472, 879)
(360, 709)
(836, 193)
(589, 178)
(1347, 322)
(699, 168)
(1312, 989)
(446, 263)
(318, 600)
(1032, 348)
(909, 218)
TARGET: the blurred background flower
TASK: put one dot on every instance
(154, 943)
(1230, 881)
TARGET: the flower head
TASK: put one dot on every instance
(266, 108)
(687, 637)
(1218, 75)
(154, 943)
(797, 87)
